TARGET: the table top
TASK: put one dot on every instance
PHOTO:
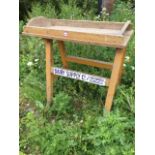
(112, 34)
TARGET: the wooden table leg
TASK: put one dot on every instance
(122, 68)
(115, 76)
(62, 50)
(49, 75)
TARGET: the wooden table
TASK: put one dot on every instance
(110, 34)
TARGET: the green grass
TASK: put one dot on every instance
(76, 123)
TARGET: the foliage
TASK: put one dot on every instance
(24, 8)
(75, 123)
(85, 6)
(121, 13)
(111, 134)
(61, 103)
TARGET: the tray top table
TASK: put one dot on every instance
(110, 34)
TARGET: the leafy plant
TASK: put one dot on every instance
(61, 103)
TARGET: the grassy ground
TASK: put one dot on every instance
(76, 123)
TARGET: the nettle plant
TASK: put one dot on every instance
(61, 103)
(111, 134)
